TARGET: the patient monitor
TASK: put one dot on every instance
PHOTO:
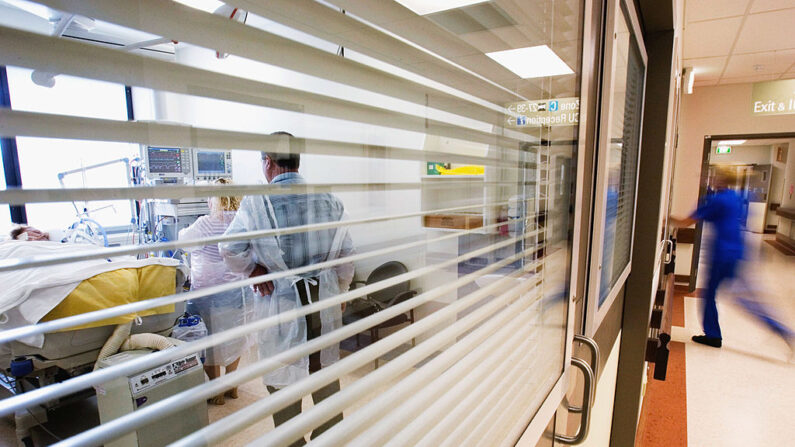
(211, 165)
(184, 165)
(168, 164)
(180, 166)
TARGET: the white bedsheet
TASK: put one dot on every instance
(32, 293)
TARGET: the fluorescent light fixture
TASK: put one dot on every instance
(423, 7)
(33, 8)
(204, 5)
(730, 142)
(532, 62)
(690, 78)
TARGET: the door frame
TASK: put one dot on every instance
(702, 188)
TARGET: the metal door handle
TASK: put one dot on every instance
(594, 363)
(669, 253)
(587, 401)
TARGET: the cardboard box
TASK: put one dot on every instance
(453, 221)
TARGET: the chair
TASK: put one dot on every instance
(380, 300)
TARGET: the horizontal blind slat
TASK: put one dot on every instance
(89, 317)
(42, 395)
(25, 195)
(111, 252)
(14, 123)
(185, 24)
(67, 56)
(355, 423)
(498, 349)
(403, 22)
(121, 425)
(477, 391)
(334, 26)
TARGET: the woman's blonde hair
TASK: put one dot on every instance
(231, 203)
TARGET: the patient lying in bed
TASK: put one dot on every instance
(51, 292)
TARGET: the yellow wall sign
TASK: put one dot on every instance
(773, 98)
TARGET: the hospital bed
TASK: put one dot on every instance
(58, 356)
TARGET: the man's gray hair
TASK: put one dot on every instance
(284, 160)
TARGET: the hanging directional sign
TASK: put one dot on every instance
(547, 113)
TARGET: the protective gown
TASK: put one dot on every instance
(257, 213)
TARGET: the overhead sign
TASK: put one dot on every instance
(720, 150)
(552, 112)
(773, 98)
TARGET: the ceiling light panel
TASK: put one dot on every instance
(472, 19)
(532, 62)
(731, 142)
(423, 7)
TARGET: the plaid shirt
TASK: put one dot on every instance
(290, 210)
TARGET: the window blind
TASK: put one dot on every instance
(624, 148)
(435, 169)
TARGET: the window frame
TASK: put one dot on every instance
(594, 312)
(11, 161)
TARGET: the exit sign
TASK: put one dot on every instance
(723, 150)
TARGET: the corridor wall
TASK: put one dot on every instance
(715, 110)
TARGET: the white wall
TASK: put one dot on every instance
(724, 109)
(718, 110)
(743, 154)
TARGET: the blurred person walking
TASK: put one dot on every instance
(724, 211)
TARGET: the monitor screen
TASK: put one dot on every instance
(164, 160)
(210, 162)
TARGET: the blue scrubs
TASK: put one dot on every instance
(724, 210)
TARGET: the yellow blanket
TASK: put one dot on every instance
(115, 288)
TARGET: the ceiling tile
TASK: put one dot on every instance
(706, 68)
(770, 62)
(713, 38)
(696, 10)
(770, 5)
(767, 31)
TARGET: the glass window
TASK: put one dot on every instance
(439, 145)
(56, 163)
(623, 145)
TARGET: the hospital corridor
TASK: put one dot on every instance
(438, 223)
(731, 396)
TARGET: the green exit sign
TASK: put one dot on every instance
(723, 150)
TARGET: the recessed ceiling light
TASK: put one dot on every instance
(424, 7)
(532, 62)
(731, 142)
